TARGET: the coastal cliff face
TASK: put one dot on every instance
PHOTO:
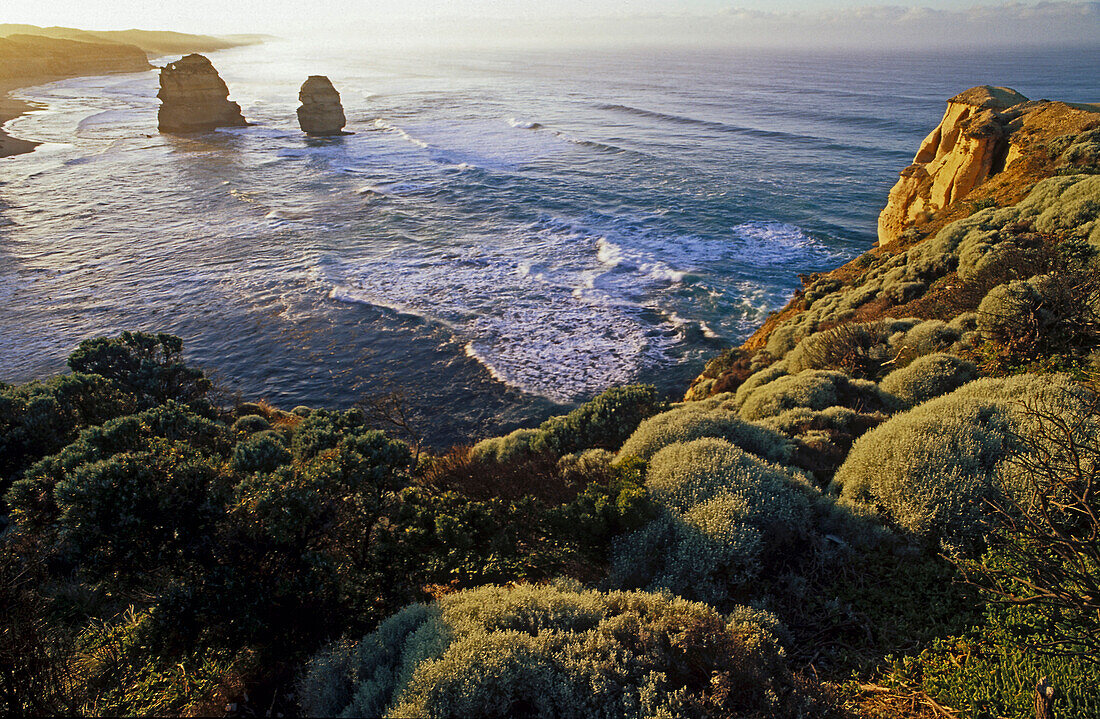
(968, 145)
(25, 59)
(194, 98)
(998, 179)
(985, 132)
(321, 112)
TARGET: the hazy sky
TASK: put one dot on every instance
(704, 22)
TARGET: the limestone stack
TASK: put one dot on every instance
(970, 144)
(194, 98)
(321, 112)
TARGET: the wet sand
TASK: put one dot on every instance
(11, 108)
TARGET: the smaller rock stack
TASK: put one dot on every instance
(321, 113)
(194, 98)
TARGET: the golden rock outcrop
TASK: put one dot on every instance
(194, 98)
(969, 145)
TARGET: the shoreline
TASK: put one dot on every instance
(10, 108)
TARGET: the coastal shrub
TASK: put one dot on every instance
(558, 651)
(149, 366)
(39, 418)
(1042, 315)
(687, 422)
(930, 470)
(822, 439)
(262, 452)
(757, 380)
(136, 510)
(726, 514)
(323, 430)
(604, 422)
(251, 423)
(515, 445)
(32, 497)
(816, 390)
(857, 349)
(928, 377)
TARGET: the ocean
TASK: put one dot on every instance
(505, 234)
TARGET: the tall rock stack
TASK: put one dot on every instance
(194, 98)
(321, 112)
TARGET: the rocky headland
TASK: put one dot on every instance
(194, 98)
(321, 113)
(993, 157)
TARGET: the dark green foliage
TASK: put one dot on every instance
(120, 516)
(148, 366)
(604, 422)
(40, 418)
(31, 498)
(262, 452)
(323, 430)
(251, 423)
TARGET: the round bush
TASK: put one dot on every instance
(556, 651)
(262, 452)
(929, 470)
(928, 377)
(251, 423)
(726, 513)
(517, 445)
(814, 389)
(689, 422)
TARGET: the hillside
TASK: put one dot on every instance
(883, 506)
(154, 42)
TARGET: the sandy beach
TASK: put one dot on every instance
(11, 108)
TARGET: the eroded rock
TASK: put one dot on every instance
(969, 144)
(321, 112)
(194, 98)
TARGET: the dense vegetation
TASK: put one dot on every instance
(891, 505)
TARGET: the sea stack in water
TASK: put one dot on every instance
(321, 112)
(194, 98)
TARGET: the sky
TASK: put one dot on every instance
(523, 22)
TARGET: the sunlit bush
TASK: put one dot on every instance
(726, 513)
(251, 423)
(929, 377)
(605, 422)
(930, 470)
(814, 389)
(689, 422)
(557, 651)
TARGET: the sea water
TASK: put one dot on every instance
(506, 233)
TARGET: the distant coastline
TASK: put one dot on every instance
(31, 56)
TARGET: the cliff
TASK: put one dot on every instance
(26, 59)
(194, 98)
(998, 178)
(155, 43)
(985, 132)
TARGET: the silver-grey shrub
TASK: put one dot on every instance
(688, 422)
(725, 512)
(557, 651)
(929, 377)
(930, 470)
(816, 390)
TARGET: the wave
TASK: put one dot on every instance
(524, 124)
(385, 126)
(777, 135)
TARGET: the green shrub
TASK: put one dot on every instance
(120, 516)
(262, 452)
(32, 497)
(39, 418)
(558, 651)
(931, 469)
(688, 422)
(928, 377)
(251, 423)
(604, 423)
(727, 514)
(148, 366)
(1043, 315)
(816, 390)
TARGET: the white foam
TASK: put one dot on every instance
(381, 124)
(777, 243)
(524, 124)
